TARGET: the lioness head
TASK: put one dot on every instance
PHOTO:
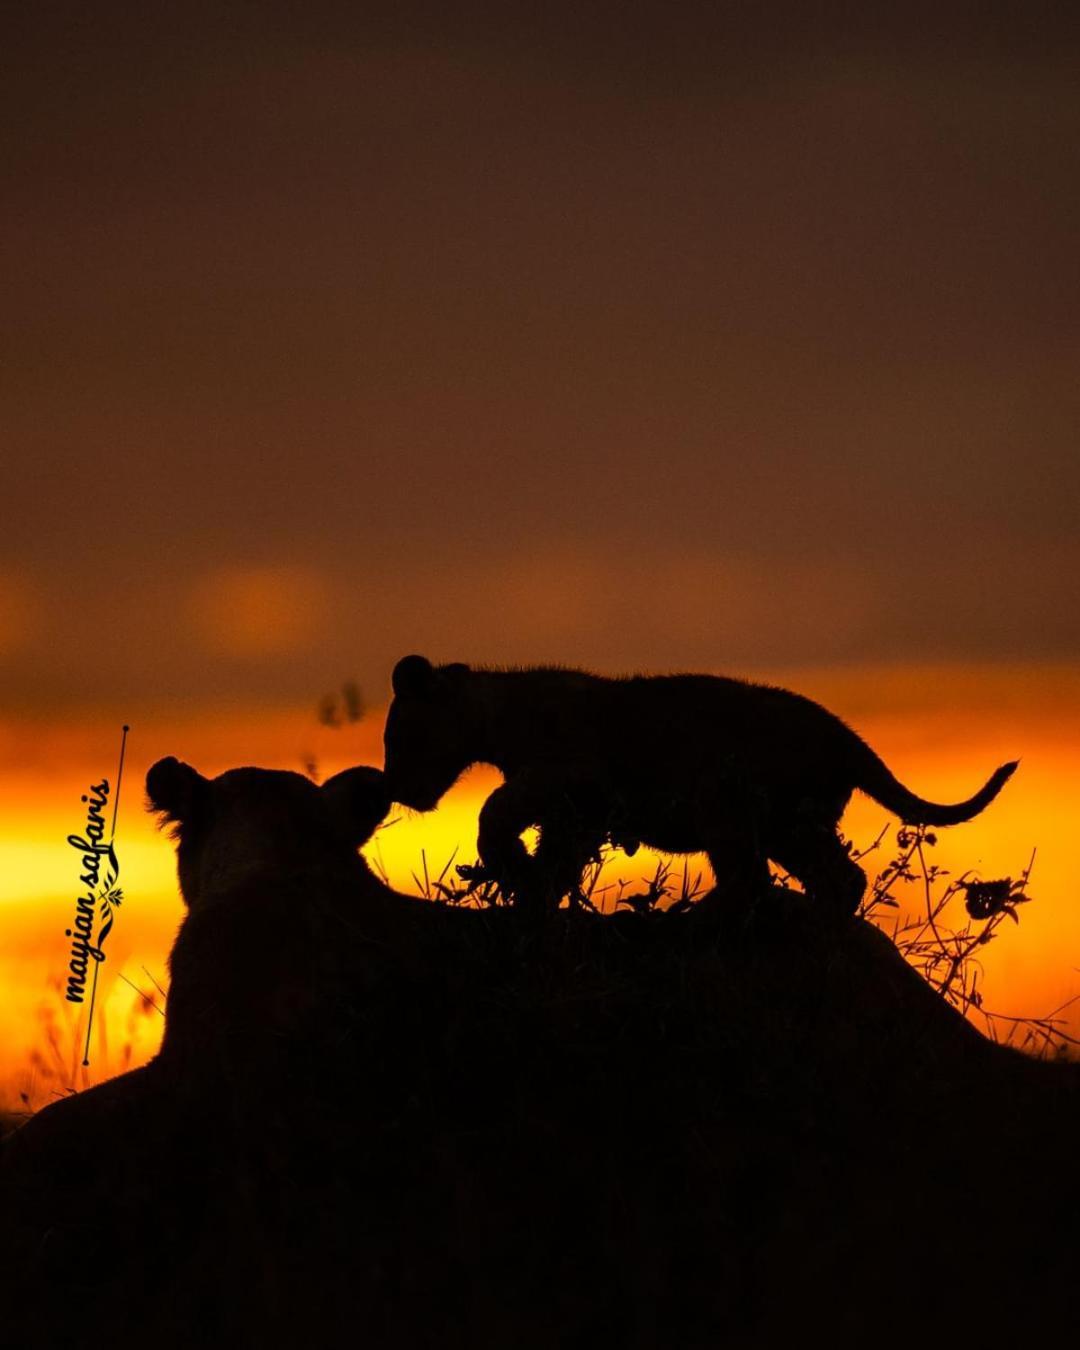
(262, 821)
(430, 731)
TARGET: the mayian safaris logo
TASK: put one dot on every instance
(95, 910)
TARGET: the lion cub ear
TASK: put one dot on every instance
(413, 676)
(174, 789)
(358, 800)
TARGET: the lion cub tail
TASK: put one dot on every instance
(878, 782)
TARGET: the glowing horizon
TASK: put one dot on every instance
(910, 715)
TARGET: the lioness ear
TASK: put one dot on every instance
(358, 800)
(413, 675)
(174, 788)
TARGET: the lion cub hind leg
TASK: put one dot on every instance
(740, 869)
(740, 891)
(815, 856)
(730, 826)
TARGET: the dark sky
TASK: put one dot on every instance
(650, 336)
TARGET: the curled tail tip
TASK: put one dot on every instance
(997, 781)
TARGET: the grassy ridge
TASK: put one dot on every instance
(650, 1130)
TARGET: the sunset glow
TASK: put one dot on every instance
(911, 716)
(429, 368)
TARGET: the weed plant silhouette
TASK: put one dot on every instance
(54, 1067)
(945, 948)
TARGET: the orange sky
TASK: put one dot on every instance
(669, 336)
(641, 337)
(942, 729)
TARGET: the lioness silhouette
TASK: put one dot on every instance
(744, 772)
(269, 871)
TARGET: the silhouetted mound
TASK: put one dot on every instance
(568, 1131)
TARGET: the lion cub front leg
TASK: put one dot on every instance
(567, 806)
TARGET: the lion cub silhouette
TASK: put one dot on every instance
(744, 772)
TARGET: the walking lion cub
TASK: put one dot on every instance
(744, 772)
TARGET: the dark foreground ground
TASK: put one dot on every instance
(637, 1133)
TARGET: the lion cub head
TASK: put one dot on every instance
(432, 732)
